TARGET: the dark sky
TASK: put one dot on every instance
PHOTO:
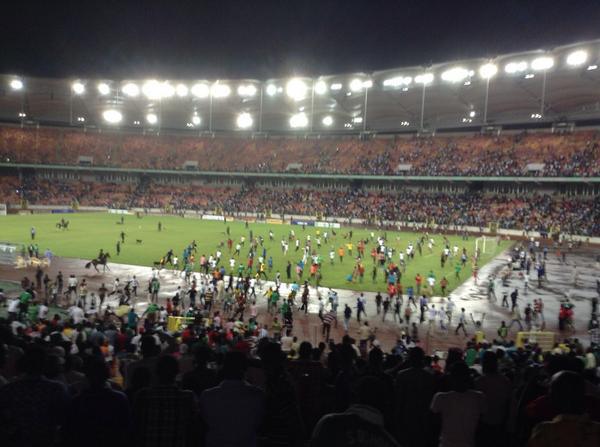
(261, 39)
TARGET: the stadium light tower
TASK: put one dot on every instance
(112, 116)
(487, 71)
(577, 58)
(244, 120)
(78, 88)
(424, 79)
(543, 64)
(296, 89)
(103, 88)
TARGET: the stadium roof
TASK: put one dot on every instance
(561, 85)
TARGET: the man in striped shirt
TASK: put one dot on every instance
(328, 319)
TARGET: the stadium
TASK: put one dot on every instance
(333, 239)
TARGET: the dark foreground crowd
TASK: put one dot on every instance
(107, 382)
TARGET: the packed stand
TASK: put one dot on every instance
(568, 155)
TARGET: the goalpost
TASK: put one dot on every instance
(486, 244)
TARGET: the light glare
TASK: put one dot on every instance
(320, 88)
(246, 90)
(299, 120)
(200, 90)
(296, 89)
(425, 78)
(16, 84)
(327, 121)
(112, 116)
(131, 89)
(515, 67)
(455, 74)
(542, 63)
(196, 120)
(152, 118)
(220, 90)
(488, 70)
(103, 88)
(271, 90)
(78, 88)
(577, 58)
(181, 90)
(244, 120)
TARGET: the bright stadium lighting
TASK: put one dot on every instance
(112, 116)
(181, 90)
(356, 85)
(166, 90)
(271, 89)
(16, 84)
(472, 113)
(336, 86)
(22, 114)
(357, 120)
(246, 90)
(327, 121)
(152, 118)
(536, 116)
(397, 81)
(220, 90)
(592, 67)
(367, 84)
(515, 67)
(425, 78)
(78, 88)
(488, 70)
(196, 120)
(131, 89)
(200, 90)
(529, 76)
(296, 89)
(244, 120)
(103, 88)
(320, 88)
(152, 89)
(80, 119)
(576, 58)
(542, 63)
(405, 123)
(298, 120)
(455, 74)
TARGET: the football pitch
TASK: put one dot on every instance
(88, 233)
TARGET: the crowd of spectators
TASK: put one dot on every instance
(535, 212)
(575, 154)
(98, 379)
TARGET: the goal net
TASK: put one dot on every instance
(486, 244)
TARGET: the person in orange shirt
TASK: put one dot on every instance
(341, 253)
(418, 281)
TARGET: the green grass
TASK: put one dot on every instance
(90, 232)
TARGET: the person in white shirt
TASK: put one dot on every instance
(232, 263)
(13, 309)
(42, 311)
(458, 427)
(76, 313)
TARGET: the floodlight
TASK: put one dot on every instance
(246, 90)
(455, 74)
(244, 120)
(131, 89)
(529, 76)
(425, 78)
(22, 114)
(152, 118)
(80, 119)
(405, 123)
(103, 88)
(515, 67)
(112, 116)
(320, 88)
(488, 70)
(327, 121)
(592, 67)
(271, 90)
(336, 86)
(78, 88)
(181, 90)
(577, 58)
(357, 120)
(356, 85)
(542, 63)
(397, 81)
(299, 120)
(16, 84)
(152, 89)
(296, 89)
(220, 90)
(472, 113)
(166, 90)
(196, 120)
(536, 116)
(200, 90)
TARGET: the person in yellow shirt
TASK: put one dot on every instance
(349, 246)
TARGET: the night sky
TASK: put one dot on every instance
(262, 39)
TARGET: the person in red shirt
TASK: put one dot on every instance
(418, 281)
